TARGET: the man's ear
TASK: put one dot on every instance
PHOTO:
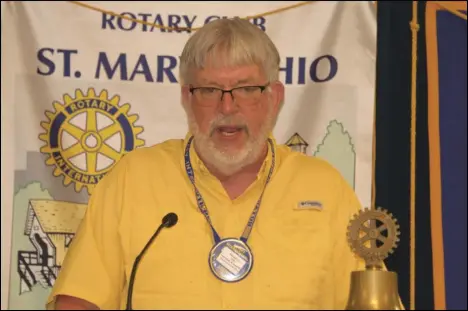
(277, 93)
(185, 94)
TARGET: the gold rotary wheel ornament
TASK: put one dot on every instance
(373, 234)
(87, 135)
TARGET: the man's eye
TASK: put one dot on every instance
(249, 89)
(208, 90)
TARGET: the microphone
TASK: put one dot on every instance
(168, 221)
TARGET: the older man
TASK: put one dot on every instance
(260, 226)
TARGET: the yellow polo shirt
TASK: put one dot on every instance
(300, 251)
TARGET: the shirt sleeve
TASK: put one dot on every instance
(93, 267)
(344, 260)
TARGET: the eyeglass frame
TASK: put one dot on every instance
(261, 87)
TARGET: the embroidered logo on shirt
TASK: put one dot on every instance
(310, 205)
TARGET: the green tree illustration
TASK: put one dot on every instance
(337, 148)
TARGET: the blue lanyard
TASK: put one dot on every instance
(201, 203)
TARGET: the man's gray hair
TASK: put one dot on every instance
(229, 42)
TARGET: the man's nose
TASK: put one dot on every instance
(228, 105)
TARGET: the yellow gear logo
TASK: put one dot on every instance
(87, 135)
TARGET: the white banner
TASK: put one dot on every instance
(81, 88)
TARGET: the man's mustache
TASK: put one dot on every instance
(228, 121)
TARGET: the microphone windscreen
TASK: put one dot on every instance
(170, 220)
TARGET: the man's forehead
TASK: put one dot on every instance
(229, 75)
(227, 82)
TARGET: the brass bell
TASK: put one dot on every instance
(374, 290)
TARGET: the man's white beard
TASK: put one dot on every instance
(229, 162)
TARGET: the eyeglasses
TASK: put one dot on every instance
(243, 94)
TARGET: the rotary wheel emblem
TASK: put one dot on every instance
(87, 135)
(373, 235)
